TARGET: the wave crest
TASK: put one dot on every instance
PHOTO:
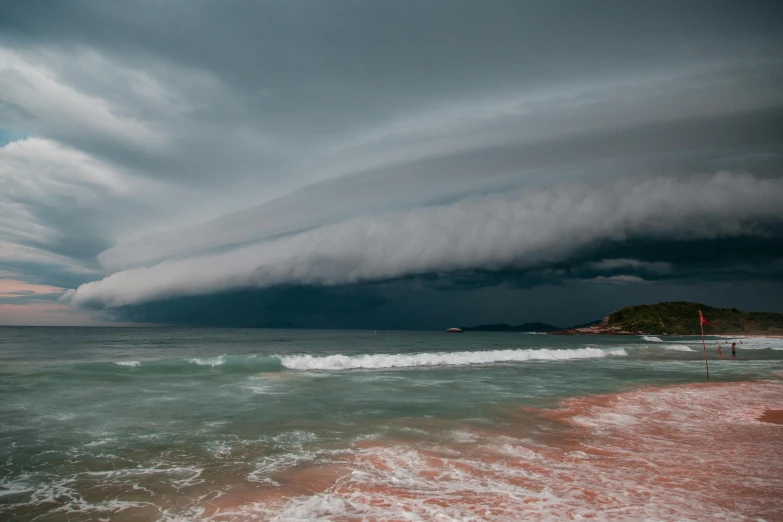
(208, 361)
(678, 348)
(652, 339)
(398, 360)
(133, 364)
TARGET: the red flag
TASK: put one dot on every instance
(703, 320)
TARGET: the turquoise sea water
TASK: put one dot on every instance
(148, 424)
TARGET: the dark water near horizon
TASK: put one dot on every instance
(180, 424)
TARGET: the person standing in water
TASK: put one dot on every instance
(733, 349)
(720, 351)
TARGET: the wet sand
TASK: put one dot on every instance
(772, 416)
(697, 452)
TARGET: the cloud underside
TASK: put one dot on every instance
(526, 229)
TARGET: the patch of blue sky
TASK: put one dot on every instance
(7, 136)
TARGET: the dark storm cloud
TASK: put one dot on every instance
(693, 145)
(172, 151)
(299, 306)
(719, 271)
(297, 41)
(520, 229)
(403, 305)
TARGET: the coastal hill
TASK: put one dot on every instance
(682, 318)
(527, 327)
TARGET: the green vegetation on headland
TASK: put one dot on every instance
(682, 318)
(527, 327)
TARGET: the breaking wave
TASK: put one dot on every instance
(652, 338)
(377, 361)
(128, 363)
(208, 361)
(678, 348)
(195, 365)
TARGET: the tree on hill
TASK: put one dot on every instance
(682, 318)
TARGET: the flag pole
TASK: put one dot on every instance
(706, 364)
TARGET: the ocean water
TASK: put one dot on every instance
(208, 424)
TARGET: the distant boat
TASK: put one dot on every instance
(454, 330)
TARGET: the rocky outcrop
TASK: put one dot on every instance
(603, 328)
(595, 330)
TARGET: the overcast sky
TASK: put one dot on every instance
(387, 164)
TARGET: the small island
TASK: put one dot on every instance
(681, 318)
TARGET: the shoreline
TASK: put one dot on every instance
(657, 452)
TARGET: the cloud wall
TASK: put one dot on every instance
(520, 229)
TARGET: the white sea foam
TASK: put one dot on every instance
(8, 487)
(501, 478)
(177, 476)
(100, 442)
(294, 439)
(378, 360)
(462, 436)
(652, 339)
(264, 389)
(209, 361)
(63, 495)
(267, 466)
(128, 363)
(678, 348)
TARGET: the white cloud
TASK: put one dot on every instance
(57, 108)
(494, 231)
(38, 169)
(53, 197)
(38, 177)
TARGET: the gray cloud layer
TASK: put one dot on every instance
(489, 232)
(259, 143)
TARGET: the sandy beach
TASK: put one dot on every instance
(697, 452)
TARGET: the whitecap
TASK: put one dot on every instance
(128, 363)
(652, 339)
(208, 361)
(462, 436)
(378, 360)
(264, 389)
(100, 442)
(678, 348)
(269, 465)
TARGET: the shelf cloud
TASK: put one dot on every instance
(491, 232)
(356, 152)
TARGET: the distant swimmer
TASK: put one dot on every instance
(733, 349)
(720, 351)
